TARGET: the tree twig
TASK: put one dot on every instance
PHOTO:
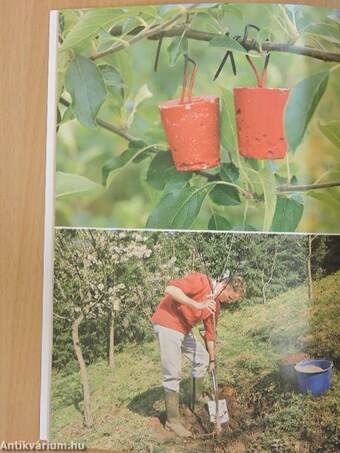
(64, 318)
(249, 44)
(143, 33)
(306, 187)
(110, 127)
(105, 125)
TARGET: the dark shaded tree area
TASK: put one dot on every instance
(326, 255)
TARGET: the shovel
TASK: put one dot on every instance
(218, 410)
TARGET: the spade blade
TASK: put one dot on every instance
(223, 415)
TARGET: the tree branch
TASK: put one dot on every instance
(249, 44)
(110, 127)
(306, 187)
(105, 125)
(64, 318)
(143, 32)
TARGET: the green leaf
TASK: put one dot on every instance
(204, 6)
(225, 195)
(265, 184)
(177, 48)
(162, 170)
(68, 184)
(131, 105)
(329, 197)
(216, 222)
(67, 20)
(244, 227)
(85, 84)
(269, 191)
(122, 62)
(229, 172)
(111, 76)
(129, 24)
(67, 116)
(333, 174)
(177, 208)
(232, 10)
(302, 102)
(335, 16)
(88, 26)
(227, 43)
(113, 166)
(228, 123)
(324, 31)
(166, 11)
(332, 131)
(288, 213)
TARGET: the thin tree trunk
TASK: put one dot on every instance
(88, 420)
(263, 288)
(266, 284)
(309, 269)
(193, 259)
(111, 336)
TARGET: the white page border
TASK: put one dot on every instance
(47, 307)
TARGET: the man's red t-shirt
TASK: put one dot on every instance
(182, 318)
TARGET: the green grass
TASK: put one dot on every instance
(266, 415)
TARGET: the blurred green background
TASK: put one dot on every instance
(129, 199)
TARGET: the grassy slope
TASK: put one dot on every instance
(127, 402)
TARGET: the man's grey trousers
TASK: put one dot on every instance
(172, 344)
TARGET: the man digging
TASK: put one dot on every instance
(188, 301)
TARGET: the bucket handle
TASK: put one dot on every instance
(185, 79)
(260, 80)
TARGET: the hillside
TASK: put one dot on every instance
(265, 415)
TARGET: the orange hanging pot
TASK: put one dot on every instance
(192, 128)
(260, 119)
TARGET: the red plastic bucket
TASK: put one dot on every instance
(260, 118)
(192, 128)
(260, 122)
(193, 132)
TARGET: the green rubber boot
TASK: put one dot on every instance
(173, 421)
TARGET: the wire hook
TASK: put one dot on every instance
(260, 81)
(158, 51)
(228, 54)
(185, 78)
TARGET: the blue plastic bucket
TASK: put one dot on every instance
(315, 383)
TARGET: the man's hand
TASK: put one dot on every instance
(210, 304)
(211, 365)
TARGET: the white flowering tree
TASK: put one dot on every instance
(88, 285)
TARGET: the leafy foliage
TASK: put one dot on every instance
(302, 103)
(99, 54)
(71, 184)
(288, 213)
(84, 82)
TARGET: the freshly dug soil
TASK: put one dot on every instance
(309, 369)
(293, 359)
